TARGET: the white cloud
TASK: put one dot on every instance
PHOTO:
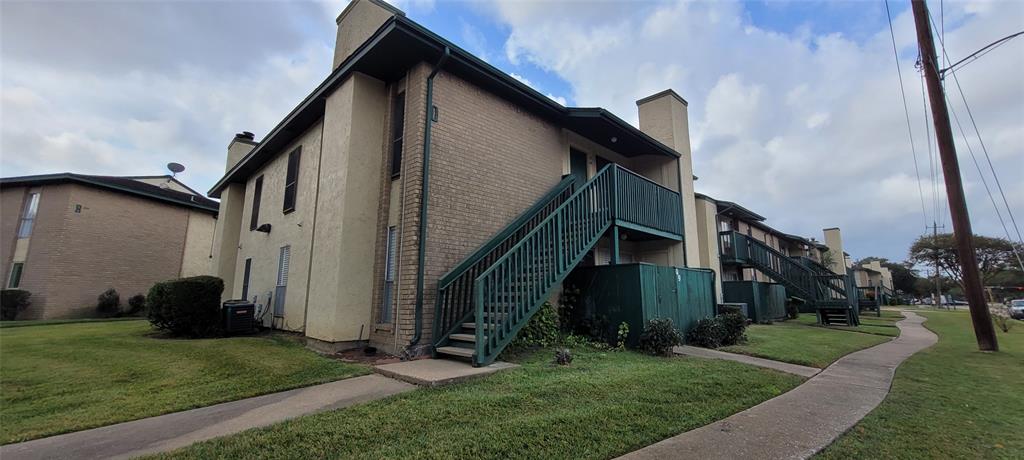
(805, 128)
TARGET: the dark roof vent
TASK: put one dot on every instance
(245, 135)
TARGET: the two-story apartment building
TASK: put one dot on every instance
(67, 237)
(419, 196)
(766, 268)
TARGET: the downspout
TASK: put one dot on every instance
(424, 196)
(312, 233)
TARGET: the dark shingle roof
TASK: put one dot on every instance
(127, 185)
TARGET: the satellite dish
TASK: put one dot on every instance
(175, 167)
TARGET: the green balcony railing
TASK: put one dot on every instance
(642, 202)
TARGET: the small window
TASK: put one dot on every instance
(257, 195)
(15, 279)
(28, 215)
(389, 278)
(397, 130)
(245, 279)
(291, 182)
(281, 290)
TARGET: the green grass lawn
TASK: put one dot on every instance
(949, 401)
(798, 342)
(869, 323)
(68, 377)
(603, 405)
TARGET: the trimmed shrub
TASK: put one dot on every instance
(188, 307)
(108, 303)
(563, 357)
(13, 302)
(136, 304)
(659, 336)
(725, 309)
(707, 333)
(722, 330)
(735, 326)
(541, 331)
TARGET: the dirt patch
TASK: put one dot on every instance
(358, 355)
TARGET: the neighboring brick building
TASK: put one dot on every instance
(322, 221)
(68, 237)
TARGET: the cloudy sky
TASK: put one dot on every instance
(795, 107)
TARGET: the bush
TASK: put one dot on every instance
(541, 331)
(13, 302)
(563, 357)
(108, 303)
(1003, 323)
(136, 304)
(735, 325)
(722, 330)
(187, 307)
(659, 336)
(707, 333)
(623, 336)
(725, 309)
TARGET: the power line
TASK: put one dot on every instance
(906, 112)
(981, 52)
(981, 141)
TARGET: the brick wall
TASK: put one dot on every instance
(490, 161)
(115, 241)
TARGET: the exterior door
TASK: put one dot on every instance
(578, 166)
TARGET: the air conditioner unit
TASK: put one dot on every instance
(239, 317)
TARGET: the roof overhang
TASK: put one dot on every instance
(111, 183)
(400, 44)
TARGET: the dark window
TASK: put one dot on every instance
(15, 280)
(389, 278)
(397, 128)
(291, 182)
(245, 279)
(257, 195)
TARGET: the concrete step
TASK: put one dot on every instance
(457, 351)
(473, 325)
(464, 337)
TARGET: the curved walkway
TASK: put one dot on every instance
(807, 419)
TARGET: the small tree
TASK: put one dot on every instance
(108, 303)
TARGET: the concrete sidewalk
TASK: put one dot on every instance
(180, 429)
(803, 371)
(807, 419)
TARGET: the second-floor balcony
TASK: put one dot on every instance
(639, 203)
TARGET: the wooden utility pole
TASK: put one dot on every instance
(964, 236)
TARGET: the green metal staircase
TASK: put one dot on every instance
(484, 301)
(826, 291)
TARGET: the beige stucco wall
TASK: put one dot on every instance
(341, 286)
(834, 241)
(665, 119)
(293, 229)
(197, 257)
(359, 20)
(707, 239)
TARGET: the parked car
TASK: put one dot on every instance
(1017, 309)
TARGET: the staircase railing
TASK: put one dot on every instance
(835, 284)
(804, 281)
(454, 303)
(517, 284)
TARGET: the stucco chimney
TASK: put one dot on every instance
(240, 145)
(663, 116)
(834, 241)
(357, 22)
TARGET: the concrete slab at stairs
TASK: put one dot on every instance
(436, 372)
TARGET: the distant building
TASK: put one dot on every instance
(68, 237)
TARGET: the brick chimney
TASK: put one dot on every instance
(357, 22)
(240, 145)
(663, 116)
